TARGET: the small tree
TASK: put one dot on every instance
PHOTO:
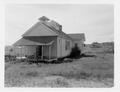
(75, 52)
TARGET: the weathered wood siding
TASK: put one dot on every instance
(31, 50)
(61, 49)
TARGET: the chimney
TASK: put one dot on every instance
(43, 19)
(60, 27)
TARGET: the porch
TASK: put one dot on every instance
(35, 51)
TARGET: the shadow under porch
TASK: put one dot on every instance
(36, 53)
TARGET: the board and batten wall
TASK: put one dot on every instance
(61, 49)
(24, 50)
(31, 50)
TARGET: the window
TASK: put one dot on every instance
(67, 45)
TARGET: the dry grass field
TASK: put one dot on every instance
(92, 71)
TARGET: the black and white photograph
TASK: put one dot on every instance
(59, 45)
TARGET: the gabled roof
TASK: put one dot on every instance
(80, 36)
(39, 29)
(43, 28)
(46, 27)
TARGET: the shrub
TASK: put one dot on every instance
(75, 52)
(9, 58)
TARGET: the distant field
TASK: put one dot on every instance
(95, 71)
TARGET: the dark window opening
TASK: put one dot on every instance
(39, 51)
(67, 45)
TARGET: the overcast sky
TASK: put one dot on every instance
(96, 21)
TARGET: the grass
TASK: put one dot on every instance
(98, 70)
(84, 69)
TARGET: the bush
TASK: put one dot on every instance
(75, 52)
(9, 58)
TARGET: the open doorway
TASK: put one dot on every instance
(39, 51)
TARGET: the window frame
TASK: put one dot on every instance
(67, 45)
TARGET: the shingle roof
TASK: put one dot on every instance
(53, 24)
(59, 32)
(40, 28)
(80, 36)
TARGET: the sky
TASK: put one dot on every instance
(96, 21)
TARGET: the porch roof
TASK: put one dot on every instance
(27, 42)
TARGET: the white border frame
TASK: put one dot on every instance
(116, 39)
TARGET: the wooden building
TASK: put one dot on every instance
(46, 40)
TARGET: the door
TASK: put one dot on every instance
(39, 51)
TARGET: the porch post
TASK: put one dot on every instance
(49, 51)
(42, 52)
